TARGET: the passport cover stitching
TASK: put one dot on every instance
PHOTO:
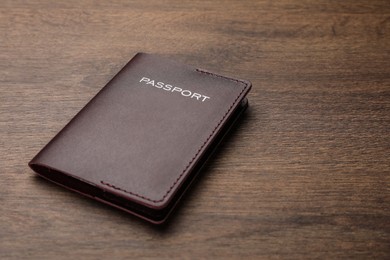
(197, 153)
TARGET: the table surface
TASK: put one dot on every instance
(304, 175)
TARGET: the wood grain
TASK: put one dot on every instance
(305, 174)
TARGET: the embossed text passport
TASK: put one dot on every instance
(141, 141)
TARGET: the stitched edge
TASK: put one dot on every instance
(197, 153)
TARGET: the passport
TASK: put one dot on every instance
(140, 142)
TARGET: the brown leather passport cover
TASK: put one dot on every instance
(139, 143)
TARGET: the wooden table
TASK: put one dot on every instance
(305, 175)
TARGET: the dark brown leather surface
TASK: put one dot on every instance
(139, 141)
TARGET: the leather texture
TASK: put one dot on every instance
(137, 139)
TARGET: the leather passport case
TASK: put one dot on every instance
(141, 141)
